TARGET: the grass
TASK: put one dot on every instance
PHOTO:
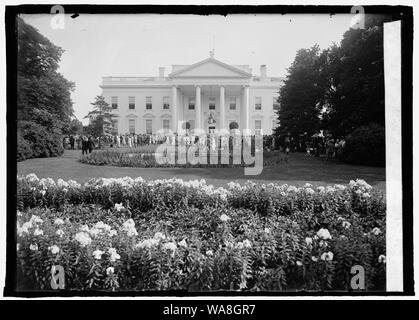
(297, 171)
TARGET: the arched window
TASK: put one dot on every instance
(186, 125)
(233, 125)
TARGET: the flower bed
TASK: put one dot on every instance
(147, 159)
(129, 234)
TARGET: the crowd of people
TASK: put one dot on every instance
(313, 146)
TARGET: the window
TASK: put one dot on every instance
(148, 103)
(191, 103)
(131, 125)
(114, 102)
(149, 126)
(166, 103)
(258, 126)
(275, 103)
(233, 125)
(258, 103)
(166, 124)
(131, 103)
(232, 103)
(211, 103)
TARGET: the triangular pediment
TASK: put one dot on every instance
(210, 68)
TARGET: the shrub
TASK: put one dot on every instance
(129, 234)
(24, 150)
(42, 143)
(365, 145)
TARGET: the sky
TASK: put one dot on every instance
(137, 45)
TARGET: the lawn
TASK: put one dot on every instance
(297, 171)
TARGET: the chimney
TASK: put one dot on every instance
(263, 71)
(161, 72)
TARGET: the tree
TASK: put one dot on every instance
(44, 95)
(355, 73)
(74, 127)
(301, 94)
(101, 118)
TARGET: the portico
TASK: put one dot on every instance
(203, 106)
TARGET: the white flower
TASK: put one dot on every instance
(119, 207)
(38, 232)
(366, 195)
(307, 185)
(209, 253)
(330, 189)
(183, 243)
(54, 249)
(59, 232)
(148, 243)
(83, 238)
(376, 231)
(97, 254)
(327, 256)
(309, 241)
(113, 255)
(346, 224)
(58, 221)
(382, 259)
(324, 234)
(17, 247)
(33, 247)
(110, 271)
(310, 191)
(159, 236)
(314, 259)
(240, 245)
(113, 232)
(299, 263)
(84, 228)
(32, 177)
(35, 220)
(170, 246)
(224, 218)
(43, 192)
(292, 189)
(321, 189)
(247, 243)
(233, 185)
(267, 230)
(24, 228)
(129, 227)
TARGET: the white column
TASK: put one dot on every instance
(246, 103)
(174, 109)
(222, 108)
(198, 124)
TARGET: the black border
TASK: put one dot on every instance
(403, 13)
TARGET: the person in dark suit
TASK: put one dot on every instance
(91, 145)
(72, 142)
(84, 145)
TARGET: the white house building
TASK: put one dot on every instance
(207, 95)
